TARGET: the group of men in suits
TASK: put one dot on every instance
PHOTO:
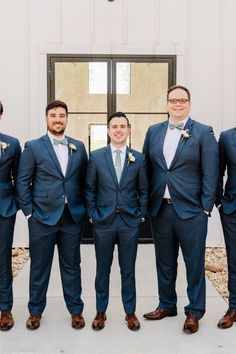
(177, 178)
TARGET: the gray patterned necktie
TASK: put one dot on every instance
(118, 167)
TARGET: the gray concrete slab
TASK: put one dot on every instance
(56, 335)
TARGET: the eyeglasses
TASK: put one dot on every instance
(176, 100)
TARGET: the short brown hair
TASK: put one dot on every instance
(55, 104)
(172, 88)
(1, 108)
(119, 115)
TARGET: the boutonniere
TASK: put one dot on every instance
(131, 158)
(185, 134)
(4, 146)
(72, 147)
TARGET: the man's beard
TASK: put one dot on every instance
(56, 132)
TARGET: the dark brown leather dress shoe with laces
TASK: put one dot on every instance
(77, 321)
(228, 319)
(33, 322)
(6, 321)
(159, 313)
(132, 322)
(99, 321)
(191, 324)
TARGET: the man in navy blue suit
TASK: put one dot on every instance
(226, 203)
(117, 194)
(182, 156)
(9, 158)
(51, 195)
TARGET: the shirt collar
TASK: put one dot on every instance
(122, 149)
(51, 137)
(182, 121)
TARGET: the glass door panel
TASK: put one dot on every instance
(139, 126)
(81, 126)
(82, 85)
(141, 87)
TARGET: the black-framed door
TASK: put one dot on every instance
(96, 86)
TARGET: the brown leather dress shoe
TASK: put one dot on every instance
(6, 321)
(132, 322)
(159, 313)
(228, 319)
(99, 321)
(77, 321)
(33, 322)
(191, 324)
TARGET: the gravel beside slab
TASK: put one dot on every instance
(216, 269)
(19, 257)
(215, 266)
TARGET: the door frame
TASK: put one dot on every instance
(111, 60)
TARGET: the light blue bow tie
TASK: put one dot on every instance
(179, 126)
(61, 141)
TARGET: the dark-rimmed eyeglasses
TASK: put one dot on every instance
(176, 100)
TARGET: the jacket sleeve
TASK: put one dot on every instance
(24, 180)
(222, 169)
(146, 151)
(209, 168)
(143, 187)
(91, 186)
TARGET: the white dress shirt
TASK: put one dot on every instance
(61, 152)
(171, 141)
(122, 155)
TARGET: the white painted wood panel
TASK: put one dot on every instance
(201, 33)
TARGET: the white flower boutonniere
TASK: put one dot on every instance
(4, 146)
(131, 158)
(185, 134)
(72, 147)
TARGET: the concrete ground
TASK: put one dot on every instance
(166, 336)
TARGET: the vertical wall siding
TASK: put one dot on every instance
(201, 33)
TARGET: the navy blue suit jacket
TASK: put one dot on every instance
(193, 173)
(8, 174)
(227, 196)
(41, 185)
(105, 196)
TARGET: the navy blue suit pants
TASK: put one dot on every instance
(171, 232)
(105, 239)
(229, 229)
(66, 234)
(6, 239)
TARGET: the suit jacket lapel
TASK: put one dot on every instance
(1, 140)
(234, 136)
(160, 145)
(125, 167)
(110, 163)
(52, 153)
(70, 157)
(182, 142)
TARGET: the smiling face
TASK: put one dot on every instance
(180, 110)
(118, 131)
(56, 119)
